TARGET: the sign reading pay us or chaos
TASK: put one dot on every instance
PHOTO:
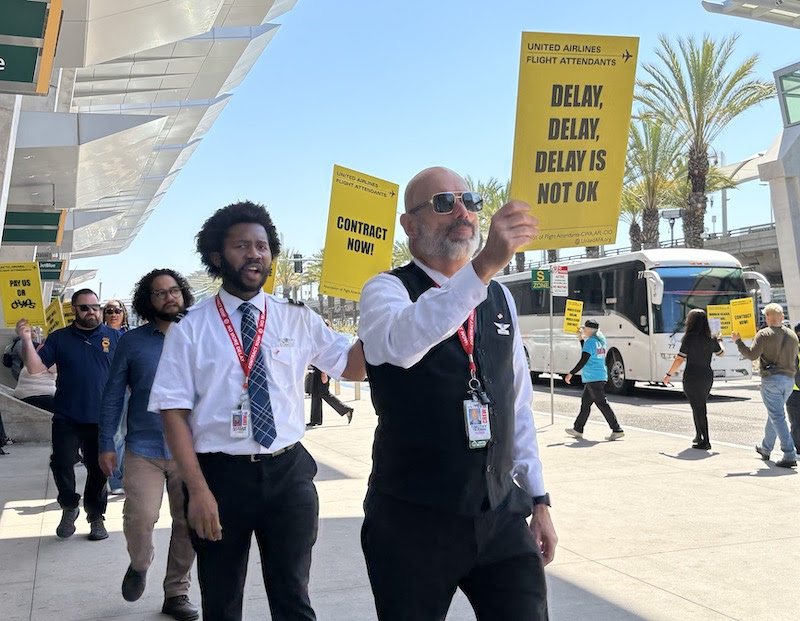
(360, 235)
(573, 118)
(21, 292)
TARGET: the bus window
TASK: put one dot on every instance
(686, 288)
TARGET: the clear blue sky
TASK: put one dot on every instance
(390, 88)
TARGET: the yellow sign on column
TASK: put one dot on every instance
(54, 316)
(573, 116)
(360, 236)
(21, 292)
(572, 316)
(743, 317)
(723, 313)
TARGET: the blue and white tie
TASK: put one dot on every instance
(260, 407)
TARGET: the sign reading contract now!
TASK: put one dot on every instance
(360, 236)
(573, 117)
(743, 317)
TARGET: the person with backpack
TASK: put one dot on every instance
(775, 347)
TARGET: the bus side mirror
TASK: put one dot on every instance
(763, 285)
(656, 286)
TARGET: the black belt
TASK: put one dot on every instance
(258, 456)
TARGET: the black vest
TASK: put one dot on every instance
(420, 452)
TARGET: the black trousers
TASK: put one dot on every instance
(595, 393)
(331, 400)
(274, 498)
(417, 557)
(697, 387)
(793, 409)
(68, 437)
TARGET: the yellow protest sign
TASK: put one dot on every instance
(743, 317)
(572, 316)
(573, 115)
(21, 291)
(723, 313)
(360, 235)
(269, 286)
(69, 314)
(54, 316)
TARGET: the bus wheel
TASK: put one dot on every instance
(617, 384)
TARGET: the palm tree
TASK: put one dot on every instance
(285, 277)
(401, 254)
(652, 173)
(631, 213)
(695, 90)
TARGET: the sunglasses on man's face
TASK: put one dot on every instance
(445, 202)
(85, 308)
(113, 311)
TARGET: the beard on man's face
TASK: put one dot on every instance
(234, 277)
(430, 243)
(87, 321)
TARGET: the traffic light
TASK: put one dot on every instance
(298, 263)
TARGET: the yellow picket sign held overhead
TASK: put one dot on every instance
(360, 236)
(21, 292)
(573, 116)
(69, 314)
(54, 316)
(269, 286)
(723, 313)
(743, 317)
(572, 316)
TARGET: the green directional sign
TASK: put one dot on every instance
(23, 18)
(17, 63)
(540, 279)
(50, 270)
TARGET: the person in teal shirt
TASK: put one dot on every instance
(595, 375)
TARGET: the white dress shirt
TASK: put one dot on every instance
(396, 331)
(199, 369)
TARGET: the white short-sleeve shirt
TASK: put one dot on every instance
(200, 371)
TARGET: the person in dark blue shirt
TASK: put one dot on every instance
(159, 297)
(83, 352)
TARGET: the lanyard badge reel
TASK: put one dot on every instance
(476, 409)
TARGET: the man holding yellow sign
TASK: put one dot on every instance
(775, 347)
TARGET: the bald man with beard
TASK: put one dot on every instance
(453, 484)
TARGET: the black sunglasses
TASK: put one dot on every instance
(113, 311)
(445, 202)
(85, 308)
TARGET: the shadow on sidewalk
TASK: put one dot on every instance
(770, 471)
(691, 454)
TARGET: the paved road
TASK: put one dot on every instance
(735, 411)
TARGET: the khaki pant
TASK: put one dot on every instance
(144, 489)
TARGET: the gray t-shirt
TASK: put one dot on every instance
(772, 348)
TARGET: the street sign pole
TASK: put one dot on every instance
(552, 381)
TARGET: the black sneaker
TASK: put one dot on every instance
(764, 454)
(179, 607)
(786, 463)
(66, 528)
(97, 530)
(133, 584)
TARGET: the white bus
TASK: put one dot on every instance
(640, 301)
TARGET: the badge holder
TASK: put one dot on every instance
(240, 417)
(476, 415)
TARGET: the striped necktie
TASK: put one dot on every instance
(260, 407)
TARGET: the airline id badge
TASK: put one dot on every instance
(476, 416)
(240, 421)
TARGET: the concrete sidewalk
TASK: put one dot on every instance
(649, 529)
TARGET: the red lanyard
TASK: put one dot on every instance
(467, 338)
(248, 363)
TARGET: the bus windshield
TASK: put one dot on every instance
(694, 286)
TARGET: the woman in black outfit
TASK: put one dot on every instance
(697, 347)
(320, 391)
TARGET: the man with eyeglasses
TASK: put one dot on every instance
(229, 386)
(448, 497)
(82, 352)
(159, 298)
